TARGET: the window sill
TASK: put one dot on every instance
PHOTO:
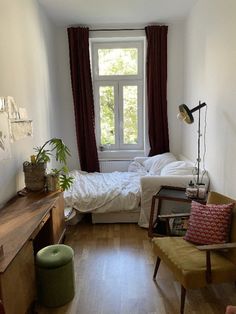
(120, 154)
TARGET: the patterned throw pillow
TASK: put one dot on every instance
(209, 224)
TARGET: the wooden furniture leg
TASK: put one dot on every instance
(156, 267)
(183, 294)
(1, 308)
(150, 228)
(208, 263)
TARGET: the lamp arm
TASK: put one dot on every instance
(198, 107)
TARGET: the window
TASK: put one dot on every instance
(118, 94)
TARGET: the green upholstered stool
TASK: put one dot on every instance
(55, 275)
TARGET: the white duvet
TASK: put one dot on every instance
(120, 191)
(102, 192)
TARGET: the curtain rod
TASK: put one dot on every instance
(116, 29)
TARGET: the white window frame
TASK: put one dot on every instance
(112, 45)
(97, 111)
(118, 81)
(140, 115)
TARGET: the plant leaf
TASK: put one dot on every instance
(65, 182)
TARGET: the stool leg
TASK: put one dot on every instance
(156, 267)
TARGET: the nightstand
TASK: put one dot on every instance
(160, 226)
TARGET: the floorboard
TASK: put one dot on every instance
(113, 270)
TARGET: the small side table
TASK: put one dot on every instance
(169, 193)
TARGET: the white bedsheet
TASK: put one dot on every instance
(104, 192)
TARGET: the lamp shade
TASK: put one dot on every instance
(185, 114)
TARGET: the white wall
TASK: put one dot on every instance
(28, 73)
(210, 76)
(175, 79)
(67, 117)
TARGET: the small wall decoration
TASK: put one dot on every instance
(19, 124)
(21, 129)
(2, 104)
(12, 108)
(5, 152)
(14, 125)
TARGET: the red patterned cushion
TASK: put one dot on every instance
(209, 224)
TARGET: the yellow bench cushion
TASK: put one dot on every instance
(189, 264)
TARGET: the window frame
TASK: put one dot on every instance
(112, 45)
(140, 143)
(118, 81)
(97, 112)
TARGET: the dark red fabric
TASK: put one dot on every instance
(83, 97)
(156, 89)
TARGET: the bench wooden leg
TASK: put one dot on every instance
(183, 294)
(156, 267)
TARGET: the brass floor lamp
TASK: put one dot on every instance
(186, 115)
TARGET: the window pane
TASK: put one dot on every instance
(130, 114)
(107, 114)
(118, 61)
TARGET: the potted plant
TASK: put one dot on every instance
(35, 171)
(59, 179)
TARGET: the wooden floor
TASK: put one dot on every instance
(113, 270)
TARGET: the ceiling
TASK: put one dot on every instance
(114, 13)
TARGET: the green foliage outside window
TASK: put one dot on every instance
(130, 115)
(107, 117)
(118, 61)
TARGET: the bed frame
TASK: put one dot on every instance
(116, 217)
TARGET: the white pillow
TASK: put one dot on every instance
(140, 159)
(178, 168)
(158, 165)
(135, 166)
(148, 163)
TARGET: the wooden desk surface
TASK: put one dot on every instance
(18, 220)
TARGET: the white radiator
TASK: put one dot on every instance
(114, 165)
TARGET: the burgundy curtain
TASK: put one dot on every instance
(83, 97)
(156, 88)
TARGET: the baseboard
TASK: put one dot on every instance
(116, 217)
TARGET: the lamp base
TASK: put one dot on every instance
(196, 191)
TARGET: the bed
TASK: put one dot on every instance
(126, 196)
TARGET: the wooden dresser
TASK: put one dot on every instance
(27, 223)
